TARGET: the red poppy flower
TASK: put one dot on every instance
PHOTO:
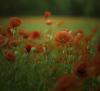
(9, 55)
(62, 37)
(47, 14)
(28, 48)
(15, 22)
(23, 33)
(34, 35)
(49, 22)
(80, 69)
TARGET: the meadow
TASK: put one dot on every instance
(49, 53)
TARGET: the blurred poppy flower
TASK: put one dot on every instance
(9, 55)
(23, 33)
(15, 22)
(34, 35)
(67, 83)
(80, 69)
(62, 37)
(28, 47)
(47, 14)
(49, 22)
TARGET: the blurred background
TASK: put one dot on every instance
(86, 8)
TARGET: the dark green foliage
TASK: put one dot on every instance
(57, 7)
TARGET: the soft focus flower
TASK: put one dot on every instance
(34, 35)
(15, 22)
(80, 69)
(23, 33)
(67, 83)
(28, 47)
(47, 14)
(49, 22)
(62, 37)
(9, 55)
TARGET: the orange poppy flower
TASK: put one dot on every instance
(62, 37)
(15, 22)
(9, 55)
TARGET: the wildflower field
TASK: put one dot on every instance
(49, 53)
